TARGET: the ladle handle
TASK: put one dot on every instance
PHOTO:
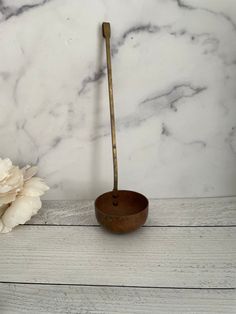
(106, 31)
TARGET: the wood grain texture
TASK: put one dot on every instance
(156, 257)
(18, 299)
(164, 212)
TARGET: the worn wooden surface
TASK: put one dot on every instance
(15, 298)
(164, 212)
(157, 257)
(183, 261)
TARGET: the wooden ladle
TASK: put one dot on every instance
(119, 211)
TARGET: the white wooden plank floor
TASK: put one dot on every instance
(182, 261)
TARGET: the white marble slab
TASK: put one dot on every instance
(174, 65)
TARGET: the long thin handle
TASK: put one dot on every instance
(107, 34)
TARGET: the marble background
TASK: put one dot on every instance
(174, 66)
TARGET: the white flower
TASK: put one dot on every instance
(19, 194)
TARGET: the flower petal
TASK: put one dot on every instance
(5, 165)
(29, 172)
(8, 197)
(3, 209)
(34, 187)
(20, 211)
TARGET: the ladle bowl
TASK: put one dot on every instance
(122, 212)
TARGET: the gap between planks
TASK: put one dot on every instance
(109, 286)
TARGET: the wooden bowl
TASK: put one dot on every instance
(121, 211)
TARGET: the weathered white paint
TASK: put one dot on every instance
(158, 257)
(21, 299)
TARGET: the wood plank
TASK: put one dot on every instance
(17, 299)
(219, 211)
(156, 257)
